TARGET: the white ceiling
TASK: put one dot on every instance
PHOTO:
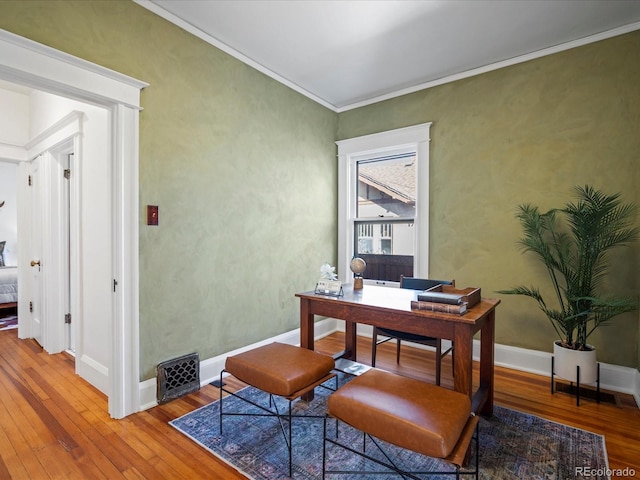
(345, 53)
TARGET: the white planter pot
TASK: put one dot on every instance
(566, 360)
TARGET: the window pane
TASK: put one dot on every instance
(388, 249)
(387, 187)
(381, 179)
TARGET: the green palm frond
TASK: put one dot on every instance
(573, 244)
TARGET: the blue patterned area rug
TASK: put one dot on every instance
(513, 445)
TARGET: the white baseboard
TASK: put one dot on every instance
(636, 393)
(93, 372)
(210, 368)
(612, 377)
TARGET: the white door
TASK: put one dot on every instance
(67, 165)
(49, 249)
(36, 288)
(55, 175)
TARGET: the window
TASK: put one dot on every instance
(383, 195)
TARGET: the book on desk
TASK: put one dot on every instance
(458, 309)
(446, 299)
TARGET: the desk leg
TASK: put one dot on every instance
(487, 340)
(350, 341)
(307, 335)
(463, 360)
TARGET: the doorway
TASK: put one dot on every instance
(8, 245)
(29, 63)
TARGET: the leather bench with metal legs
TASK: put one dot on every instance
(408, 413)
(282, 370)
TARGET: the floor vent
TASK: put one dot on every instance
(178, 377)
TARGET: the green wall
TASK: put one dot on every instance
(242, 168)
(244, 172)
(525, 133)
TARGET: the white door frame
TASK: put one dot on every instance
(35, 65)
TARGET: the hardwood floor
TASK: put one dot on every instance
(53, 425)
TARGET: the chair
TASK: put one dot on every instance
(412, 283)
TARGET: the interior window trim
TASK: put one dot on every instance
(379, 145)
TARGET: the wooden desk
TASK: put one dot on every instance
(391, 308)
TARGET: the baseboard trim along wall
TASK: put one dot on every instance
(93, 372)
(210, 368)
(612, 377)
(636, 384)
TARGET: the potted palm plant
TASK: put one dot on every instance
(572, 243)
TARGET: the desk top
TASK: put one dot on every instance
(399, 300)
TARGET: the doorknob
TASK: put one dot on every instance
(35, 262)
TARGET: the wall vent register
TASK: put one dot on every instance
(178, 377)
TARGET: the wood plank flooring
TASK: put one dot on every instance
(53, 425)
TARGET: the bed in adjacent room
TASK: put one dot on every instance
(8, 287)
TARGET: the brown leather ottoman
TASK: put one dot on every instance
(278, 369)
(281, 369)
(411, 414)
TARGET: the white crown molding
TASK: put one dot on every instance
(192, 29)
(495, 66)
(13, 153)
(161, 12)
(59, 132)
